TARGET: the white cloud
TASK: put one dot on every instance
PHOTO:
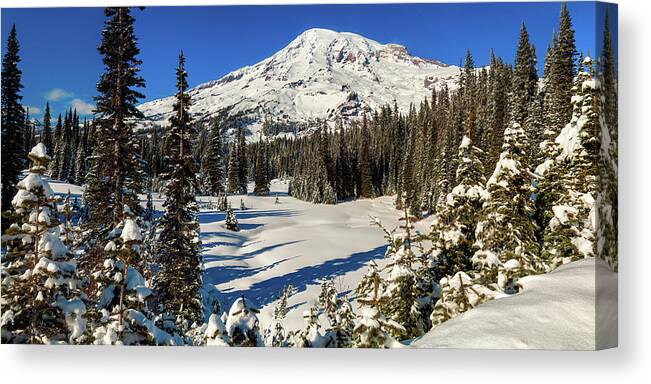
(57, 94)
(33, 110)
(82, 107)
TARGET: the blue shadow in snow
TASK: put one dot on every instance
(247, 255)
(207, 217)
(265, 292)
(222, 274)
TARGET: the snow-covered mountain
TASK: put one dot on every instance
(322, 74)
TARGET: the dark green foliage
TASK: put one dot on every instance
(13, 119)
(261, 170)
(180, 278)
(212, 161)
(116, 164)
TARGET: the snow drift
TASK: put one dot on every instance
(554, 311)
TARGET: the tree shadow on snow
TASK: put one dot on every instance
(221, 274)
(207, 217)
(246, 255)
(264, 292)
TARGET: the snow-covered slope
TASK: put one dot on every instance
(555, 311)
(322, 74)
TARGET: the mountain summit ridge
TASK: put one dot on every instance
(320, 75)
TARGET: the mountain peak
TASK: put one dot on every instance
(320, 75)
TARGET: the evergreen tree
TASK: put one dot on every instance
(261, 171)
(311, 336)
(46, 134)
(401, 297)
(570, 234)
(116, 153)
(180, 278)
(243, 163)
(122, 314)
(275, 335)
(459, 293)
(13, 119)
(80, 165)
(505, 235)
(453, 230)
(525, 78)
(41, 299)
(233, 169)
(561, 74)
(231, 220)
(213, 161)
(607, 200)
(373, 330)
(242, 325)
(55, 167)
(365, 188)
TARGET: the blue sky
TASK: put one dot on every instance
(60, 62)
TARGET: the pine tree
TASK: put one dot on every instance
(233, 169)
(561, 74)
(607, 200)
(402, 294)
(117, 156)
(41, 299)
(261, 171)
(55, 167)
(243, 163)
(311, 336)
(231, 220)
(453, 230)
(459, 293)
(122, 314)
(365, 188)
(275, 335)
(373, 330)
(570, 234)
(13, 119)
(525, 78)
(80, 165)
(180, 278)
(505, 235)
(242, 325)
(213, 161)
(46, 134)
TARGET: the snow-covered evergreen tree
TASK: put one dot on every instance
(505, 234)
(311, 336)
(402, 294)
(215, 333)
(570, 234)
(275, 335)
(342, 324)
(373, 330)
(122, 316)
(242, 325)
(231, 220)
(460, 293)
(453, 229)
(41, 298)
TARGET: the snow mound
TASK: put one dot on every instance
(554, 311)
